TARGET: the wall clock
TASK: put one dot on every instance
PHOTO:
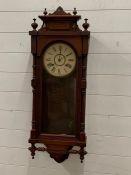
(59, 51)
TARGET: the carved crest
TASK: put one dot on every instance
(63, 20)
(59, 11)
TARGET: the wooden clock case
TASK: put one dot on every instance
(59, 26)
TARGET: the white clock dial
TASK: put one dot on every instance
(59, 59)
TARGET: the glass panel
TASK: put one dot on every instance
(59, 108)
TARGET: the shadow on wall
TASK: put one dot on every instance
(73, 165)
(44, 165)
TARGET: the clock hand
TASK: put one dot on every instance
(60, 50)
(59, 58)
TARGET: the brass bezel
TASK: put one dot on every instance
(61, 76)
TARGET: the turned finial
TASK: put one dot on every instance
(34, 24)
(45, 12)
(85, 25)
(74, 11)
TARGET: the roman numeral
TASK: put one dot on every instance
(59, 72)
(50, 53)
(69, 54)
(53, 69)
(54, 49)
(60, 48)
(65, 50)
(48, 59)
(70, 60)
(65, 70)
(50, 65)
(68, 65)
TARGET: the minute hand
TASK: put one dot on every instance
(60, 52)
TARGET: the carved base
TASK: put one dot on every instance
(58, 154)
(59, 157)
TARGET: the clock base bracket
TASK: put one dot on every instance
(59, 155)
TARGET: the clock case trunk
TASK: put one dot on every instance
(59, 26)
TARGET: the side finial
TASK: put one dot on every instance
(74, 11)
(45, 12)
(85, 25)
(34, 24)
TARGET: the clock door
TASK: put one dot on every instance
(59, 97)
(59, 90)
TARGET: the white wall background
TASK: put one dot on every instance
(108, 122)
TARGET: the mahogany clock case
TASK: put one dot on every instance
(58, 118)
